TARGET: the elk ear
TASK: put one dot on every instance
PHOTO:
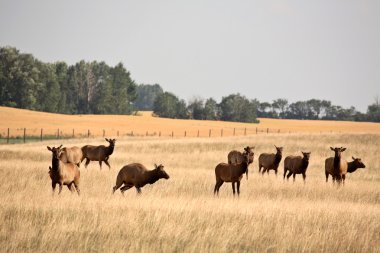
(246, 149)
(353, 158)
(114, 140)
(155, 166)
(49, 148)
(332, 149)
(342, 149)
(106, 139)
(60, 146)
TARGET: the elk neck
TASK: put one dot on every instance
(55, 163)
(351, 166)
(151, 176)
(336, 162)
(110, 149)
(277, 158)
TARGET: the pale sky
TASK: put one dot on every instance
(262, 49)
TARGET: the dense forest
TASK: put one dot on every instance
(96, 88)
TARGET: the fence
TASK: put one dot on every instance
(23, 135)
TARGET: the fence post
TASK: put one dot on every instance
(185, 133)
(256, 130)
(132, 133)
(104, 132)
(146, 133)
(268, 130)
(58, 134)
(209, 133)
(221, 133)
(117, 133)
(278, 130)
(172, 134)
(73, 133)
(245, 131)
(8, 137)
(88, 133)
(159, 134)
(234, 131)
(41, 134)
(24, 134)
(198, 133)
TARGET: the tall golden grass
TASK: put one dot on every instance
(181, 214)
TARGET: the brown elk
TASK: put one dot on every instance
(336, 166)
(62, 173)
(296, 165)
(138, 175)
(231, 173)
(355, 164)
(98, 153)
(235, 157)
(270, 161)
(71, 155)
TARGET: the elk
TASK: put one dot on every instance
(98, 153)
(137, 175)
(296, 165)
(355, 164)
(270, 161)
(231, 173)
(237, 157)
(71, 155)
(62, 173)
(336, 166)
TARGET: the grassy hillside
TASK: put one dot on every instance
(181, 214)
(18, 119)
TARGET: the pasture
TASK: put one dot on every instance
(181, 214)
(144, 124)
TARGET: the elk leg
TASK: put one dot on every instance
(238, 187)
(138, 189)
(87, 162)
(259, 168)
(275, 171)
(263, 171)
(70, 187)
(294, 177)
(289, 175)
(217, 186)
(53, 185)
(327, 176)
(60, 188)
(343, 178)
(125, 187)
(285, 170)
(106, 162)
(233, 188)
(77, 188)
(304, 177)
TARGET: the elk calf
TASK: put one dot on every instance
(355, 164)
(71, 155)
(138, 175)
(270, 161)
(296, 165)
(62, 173)
(231, 173)
(98, 153)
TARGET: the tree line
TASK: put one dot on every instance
(96, 88)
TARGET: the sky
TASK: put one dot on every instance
(298, 50)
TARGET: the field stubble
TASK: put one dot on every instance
(181, 214)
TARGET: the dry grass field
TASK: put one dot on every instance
(181, 214)
(18, 119)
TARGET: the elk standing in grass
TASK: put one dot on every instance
(296, 165)
(71, 155)
(270, 161)
(355, 164)
(98, 153)
(231, 173)
(138, 175)
(63, 173)
(236, 157)
(336, 166)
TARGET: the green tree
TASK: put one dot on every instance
(146, 94)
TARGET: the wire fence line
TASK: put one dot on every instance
(23, 135)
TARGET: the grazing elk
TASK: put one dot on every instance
(231, 173)
(270, 161)
(355, 164)
(98, 153)
(138, 175)
(62, 173)
(71, 155)
(235, 157)
(336, 166)
(296, 165)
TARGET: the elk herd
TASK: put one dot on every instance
(66, 162)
